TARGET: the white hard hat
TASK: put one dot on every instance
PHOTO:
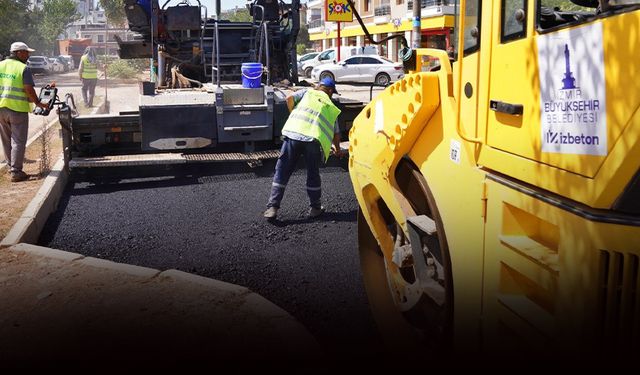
(19, 46)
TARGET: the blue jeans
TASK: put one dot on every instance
(289, 156)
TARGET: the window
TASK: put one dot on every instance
(370, 60)
(437, 41)
(471, 27)
(559, 13)
(352, 61)
(326, 55)
(100, 38)
(514, 20)
(367, 5)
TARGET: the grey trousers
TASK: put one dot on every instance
(14, 129)
(88, 90)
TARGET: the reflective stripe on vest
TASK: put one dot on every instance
(314, 117)
(12, 93)
(89, 70)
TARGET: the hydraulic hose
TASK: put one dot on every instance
(405, 52)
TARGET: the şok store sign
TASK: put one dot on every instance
(339, 11)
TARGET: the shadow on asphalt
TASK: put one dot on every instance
(350, 216)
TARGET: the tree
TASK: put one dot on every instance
(303, 35)
(114, 11)
(236, 15)
(16, 23)
(52, 20)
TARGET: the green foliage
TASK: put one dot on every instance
(236, 15)
(114, 11)
(301, 49)
(303, 35)
(565, 5)
(17, 24)
(121, 69)
(139, 64)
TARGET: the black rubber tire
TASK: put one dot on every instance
(326, 74)
(409, 326)
(383, 79)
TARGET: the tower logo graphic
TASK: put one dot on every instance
(568, 82)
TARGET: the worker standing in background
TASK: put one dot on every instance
(311, 131)
(88, 71)
(16, 91)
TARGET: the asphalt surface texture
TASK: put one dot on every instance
(207, 220)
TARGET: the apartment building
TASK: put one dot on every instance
(383, 18)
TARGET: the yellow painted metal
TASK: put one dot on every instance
(413, 118)
(515, 141)
(440, 22)
(527, 267)
(544, 264)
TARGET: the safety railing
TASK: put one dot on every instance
(430, 3)
(315, 23)
(382, 10)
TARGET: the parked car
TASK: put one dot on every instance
(68, 60)
(302, 59)
(307, 56)
(329, 56)
(56, 66)
(39, 64)
(64, 63)
(361, 68)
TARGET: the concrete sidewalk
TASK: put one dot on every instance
(56, 305)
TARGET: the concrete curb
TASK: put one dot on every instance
(30, 224)
(204, 281)
(265, 309)
(46, 252)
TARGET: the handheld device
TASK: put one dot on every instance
(48, 95)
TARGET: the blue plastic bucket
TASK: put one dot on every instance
(251, 74)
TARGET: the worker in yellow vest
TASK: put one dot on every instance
(16, 92)
(311, 131)
(88, 71)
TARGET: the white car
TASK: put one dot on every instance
(304, 58)
(39, 64)
(330, 55)
(361, 68)
(55, 66)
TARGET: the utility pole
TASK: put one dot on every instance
(416, 37)
(106, 57)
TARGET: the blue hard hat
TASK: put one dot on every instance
(329, 82)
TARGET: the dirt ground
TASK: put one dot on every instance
(14, 197)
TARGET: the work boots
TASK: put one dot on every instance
(18, 176)
(315, 212)
(271, 213)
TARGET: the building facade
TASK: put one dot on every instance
(384, 18)
(94, 26)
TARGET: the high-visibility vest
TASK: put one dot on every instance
(89, 70)
(314, 117)
(12, 93)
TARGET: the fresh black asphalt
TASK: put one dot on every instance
(207, 220)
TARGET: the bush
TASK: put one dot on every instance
(139, 64)
(121, 69)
